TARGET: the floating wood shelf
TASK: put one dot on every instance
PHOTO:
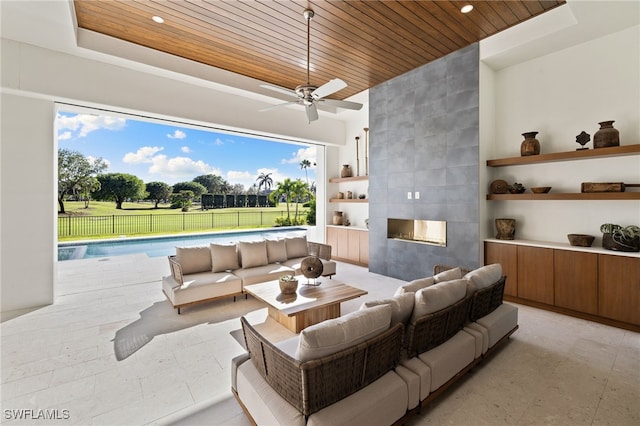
(614, 151)
(568, 196)
(348, 179)
(348, 200)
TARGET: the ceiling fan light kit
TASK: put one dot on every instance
(309, 95)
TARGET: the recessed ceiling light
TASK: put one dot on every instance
(466, 8)
(158, 19)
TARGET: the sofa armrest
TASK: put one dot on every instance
(176, 270)
(323, 251)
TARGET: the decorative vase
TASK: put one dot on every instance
(606, 136)
(288, 286)
(506, 229)
(623, 244)
(346, 171)
(337, 218)
(530, 145)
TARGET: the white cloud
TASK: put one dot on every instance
(185, 149)
(65, 136)
(104, 160)
(142, 155)
(177, 134)
(180, 167)
(81, 125)
(308, 153)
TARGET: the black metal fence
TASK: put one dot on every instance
(86, 226)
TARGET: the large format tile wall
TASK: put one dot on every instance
(424, 134)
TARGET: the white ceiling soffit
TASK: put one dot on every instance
(576, 22)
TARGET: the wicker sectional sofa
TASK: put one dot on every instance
(205, 273)
(378, 365)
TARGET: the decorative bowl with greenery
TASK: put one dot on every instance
(288, 284)
(516, 188)
(618, 238)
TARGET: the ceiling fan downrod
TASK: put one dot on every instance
(308, 15)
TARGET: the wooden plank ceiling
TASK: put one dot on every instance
(362, 42)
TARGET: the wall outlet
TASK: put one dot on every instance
(409, 195)
(417, 195)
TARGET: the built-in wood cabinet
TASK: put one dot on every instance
(349, 244)
(619, 288)
(579, 281)
(535, 274)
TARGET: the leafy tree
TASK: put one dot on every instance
(158, 191)
(75, 172)
(311, 213)
(120, 187)
(304, 164)
(213, 183)
(85, 188)
(182, 199)
(264, 180)
(284, 189)
(237, 189)
(300, 191)
(195, 187)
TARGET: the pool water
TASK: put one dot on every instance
(165, 246)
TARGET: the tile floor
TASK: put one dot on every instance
(111, 351)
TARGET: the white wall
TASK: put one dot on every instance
(34, 78)
(559, 95)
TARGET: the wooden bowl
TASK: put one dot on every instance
(580, 240)
(541, 189)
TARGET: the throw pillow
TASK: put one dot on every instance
(297, 247)
(437, 297)
(276, 251)
(401, 307)
(194, 259)
(253, 253)
(223, 257)
(415, 285)
(334, 335)
(448, 275)
(485, 276)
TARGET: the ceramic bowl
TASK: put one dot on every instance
(580, 240)
(541, 189)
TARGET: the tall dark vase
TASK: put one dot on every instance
(530, 145)
(606, 136)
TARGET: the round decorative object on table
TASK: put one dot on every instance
(499, 186)
(530, 145)
(581, 240)
(606, 136)
(506, 229)
(346, 171)
(311, 267)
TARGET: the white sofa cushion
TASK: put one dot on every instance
(499, 322)
(194, 259)
(448, 275)
(260, 274)
(296, 247)
(485, 276)
(223, 257)
(253, 253)
(423, 371)
(334, 335)
(276, 251)
(415, 285)
(401, 306)
(438, 296)
(449, 358)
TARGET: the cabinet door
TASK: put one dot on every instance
(332, 240)
(619, 288)
(535, 274)
(507, 256)
(354, 245)
(576, 281)
(364, 247)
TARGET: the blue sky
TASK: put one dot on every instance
(171, 153)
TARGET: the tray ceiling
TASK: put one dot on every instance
(362, 42)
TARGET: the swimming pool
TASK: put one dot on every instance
(166, 245)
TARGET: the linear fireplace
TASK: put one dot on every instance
(432, 232)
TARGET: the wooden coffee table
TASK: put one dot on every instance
(309, 305)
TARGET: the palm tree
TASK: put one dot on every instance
(300, 191)
(284, 189)
(303, 165)
(264, 180)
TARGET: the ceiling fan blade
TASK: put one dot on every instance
(342, 104)
(312, 112)
(330, 87)
(280, 89)
(277, 106)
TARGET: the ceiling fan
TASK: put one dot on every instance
(309, 95)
